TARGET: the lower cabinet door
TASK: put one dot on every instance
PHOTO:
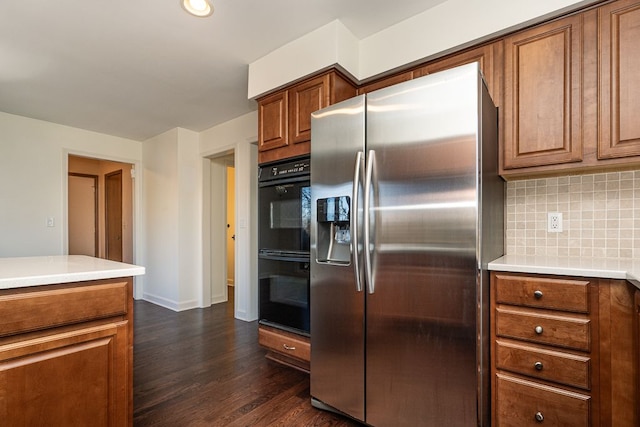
(521, 403)
(71, 378)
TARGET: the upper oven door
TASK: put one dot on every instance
(284, 216)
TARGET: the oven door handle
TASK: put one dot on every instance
(355, 235)
(276, 255)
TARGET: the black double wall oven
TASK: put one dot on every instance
(284, 200)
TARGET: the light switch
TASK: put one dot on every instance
(51, 222)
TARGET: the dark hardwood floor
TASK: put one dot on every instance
(202, 367)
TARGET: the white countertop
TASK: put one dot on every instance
(607, 268)
(46, 270)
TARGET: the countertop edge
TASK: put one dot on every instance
(47, 270)
(567, 266)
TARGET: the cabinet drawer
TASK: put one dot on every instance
(563, 368)
(51, 306)
(285, 343)
(521, 403)
(557, 294)
(540, 327)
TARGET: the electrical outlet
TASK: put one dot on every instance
(554, 222)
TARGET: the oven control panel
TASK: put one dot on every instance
(268, 172)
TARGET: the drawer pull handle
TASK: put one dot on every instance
(537, 294)
(288, 347)
(538, 366)
(539, 417)
(538, 330)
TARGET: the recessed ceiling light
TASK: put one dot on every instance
(200, 8)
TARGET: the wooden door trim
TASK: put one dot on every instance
(106, 212)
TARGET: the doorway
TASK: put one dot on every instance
(113, 215)
(245, 161)
(222, 229)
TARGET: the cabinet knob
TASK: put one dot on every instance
(537, 294)
(538, 329)
(539, 417)
(538, 366)
(288, 347)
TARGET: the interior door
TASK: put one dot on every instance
(113, 215)
(83, 214)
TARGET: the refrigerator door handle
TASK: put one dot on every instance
(355, 240)
(367, 221)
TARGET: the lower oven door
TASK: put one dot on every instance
(284, 291)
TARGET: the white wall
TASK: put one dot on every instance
(172, 207)
(447, 27)
(238, 136)
(33, 180)
(189, 219)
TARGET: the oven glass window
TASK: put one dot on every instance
(284, 293)
(285, 215)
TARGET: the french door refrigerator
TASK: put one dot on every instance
(407, 210)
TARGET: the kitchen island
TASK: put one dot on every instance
(565, 334)
(66, 341)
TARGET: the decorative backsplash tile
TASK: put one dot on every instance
(600, 215)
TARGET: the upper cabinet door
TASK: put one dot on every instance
(272, 122)
(284, 119)
(304, 99)
(619, 80)
(542, 108)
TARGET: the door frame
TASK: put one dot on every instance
(217, 234)
(246, 243)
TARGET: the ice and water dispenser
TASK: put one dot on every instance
(334, 230)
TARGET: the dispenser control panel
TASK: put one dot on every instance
(334, 230)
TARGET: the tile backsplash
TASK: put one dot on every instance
(600, 215)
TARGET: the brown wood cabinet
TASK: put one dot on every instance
(488, 56)
(542, 117)
(619, 79)
(385, 82)
(285, 347)
(284, 117)
(66, 354)
(562, 351)
(571, 93)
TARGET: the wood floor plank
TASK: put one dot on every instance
(202, 367)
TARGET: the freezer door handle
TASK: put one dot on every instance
(367, 221)
(355, 241)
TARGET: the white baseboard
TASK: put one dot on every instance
(170, 304)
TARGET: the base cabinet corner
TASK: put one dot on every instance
(66, 355)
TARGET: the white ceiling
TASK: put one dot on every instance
(137, 68)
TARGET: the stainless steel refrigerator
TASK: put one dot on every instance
(407, 210)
